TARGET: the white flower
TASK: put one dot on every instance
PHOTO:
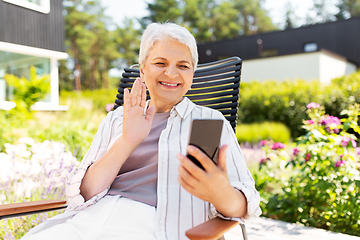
(5, 165)
(28, 141)
(38, 168)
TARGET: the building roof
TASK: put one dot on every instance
(341, 37)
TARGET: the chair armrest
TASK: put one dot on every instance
(211, 229)
(26, 208)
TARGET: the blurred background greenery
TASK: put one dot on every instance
(96, 43)
(269, 110)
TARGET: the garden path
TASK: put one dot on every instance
(269, 229)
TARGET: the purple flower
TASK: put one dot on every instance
(340, 163)
(333, 130)
(307, 157)
(313, 105)
(295, 151)
(278, 145)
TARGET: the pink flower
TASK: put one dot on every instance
(340, 163)
(263, 142)
(307, 157)
(345, 141)
(264, 160)
(353, 143)
(331, 123)
(309, 122)
(313, 105)
(295, 151)
(278, 145)
(331, 120)
(109, 107)
(357, 150)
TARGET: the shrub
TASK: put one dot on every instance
(320, 187)
(92, 100)
(76, 136)
(75, 128)
(28, 91)
(255, 132)
(8, 122)
(285, 101)
(278, 102)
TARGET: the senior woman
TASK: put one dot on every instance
(135, 182)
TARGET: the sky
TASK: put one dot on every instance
(118, 10)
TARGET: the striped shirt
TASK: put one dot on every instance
(177, 210)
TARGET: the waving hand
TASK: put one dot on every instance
(136, 124)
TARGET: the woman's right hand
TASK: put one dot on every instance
(136, 125)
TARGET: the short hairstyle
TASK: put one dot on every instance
(163, 31)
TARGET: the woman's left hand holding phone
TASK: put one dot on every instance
(136, 127)
(211, 185)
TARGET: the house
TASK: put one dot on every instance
(320, 51)
(321, 65)
(31, 34)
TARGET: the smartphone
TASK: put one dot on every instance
(205, 134)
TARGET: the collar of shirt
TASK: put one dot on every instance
(183, 108)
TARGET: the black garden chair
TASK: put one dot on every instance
(215, 85)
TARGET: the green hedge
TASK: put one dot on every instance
(286, 101)
(96, 99)
(255, 132)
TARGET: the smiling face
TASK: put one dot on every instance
(167, 73)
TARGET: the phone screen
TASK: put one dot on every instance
(205, 135)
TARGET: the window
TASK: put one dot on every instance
(37, 5)
(310, 47)
(19, 65)
(269, 52)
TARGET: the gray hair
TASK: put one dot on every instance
(162, 31)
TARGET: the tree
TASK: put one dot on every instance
(348, 9)
(77, 35)
(253, 17)
(289, 16)
(127, 44)
(197, 18)
(90, 44)
(162, 11)
(66, 77)
(210, 20)
(321, 10)
(108, 54)
(102, 49)
(226, 25)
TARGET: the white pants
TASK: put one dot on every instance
(119, 218)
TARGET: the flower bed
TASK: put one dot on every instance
(317, 182)
(32, 171)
